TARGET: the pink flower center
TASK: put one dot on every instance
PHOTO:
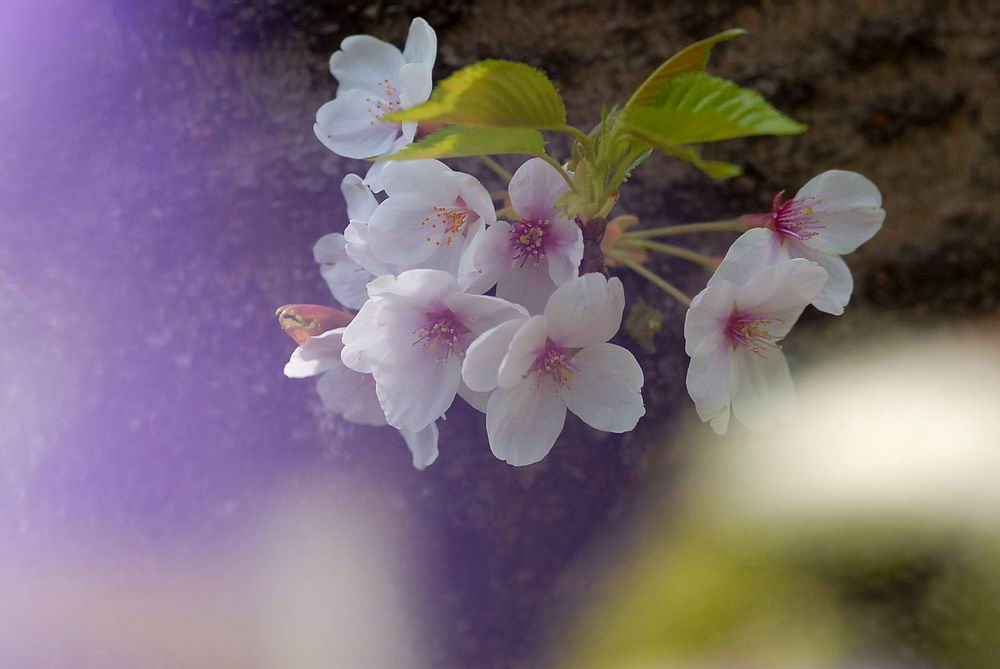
(795, 219)
(379, 107)
(527, 239)
(554, 361)
(440, 334)
(751, 331)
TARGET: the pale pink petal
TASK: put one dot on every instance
(563, 250)
(423, 445)
(480, 313)
(416, 80)
(373, 177)
(365, 62)
(527, 284)
(752, 251)
(421, 43)
(525, 347)
(415, 388)
(763, 393)
(351, 395)
(359, 250)
(604, 390)
(847, 206)
(523, 422)
(362, 340)
(708, 380)
(430, 179)
(584, 311)
(709, 311)
(347, 282)
(477, 199)
(317, 355)
(474, 398)
(404, 230)
(347, 127)
(780, 292)
(430, 285)
(360, 200)
(836, 292)
(482, 360)
(534, 189)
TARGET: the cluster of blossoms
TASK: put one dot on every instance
(426, 244)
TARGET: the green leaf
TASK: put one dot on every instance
(717, 169)
(696, 108)
(492, 93)
(458, 142)
(638, 160)
(693, 58)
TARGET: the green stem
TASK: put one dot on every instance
(714, 226)
(559, 168)
(497, 168)
(652, 276)
(708, 262)
(583, 138)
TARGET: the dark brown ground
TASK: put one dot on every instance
(904, 92)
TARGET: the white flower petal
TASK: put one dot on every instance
(431, 179)
(429, 285)
(421, 43)
(708, 313)
(359, 250)
(848, 207)
(415, 388)
(604, 390)
(836, 292)
(350, 395)
(586, 310)
(347, 127)
(365, 62)
(534, 189)
(317, 355)
(478, 400)
(330, 249)
(708, 380)
(360, 200)
(423, 445)
(416, 80)
(763, 393)
(347, 282)
(404, 230)
(476, 198)
(480, 313)
(362, 338)
(752, 251)
(484, 356)
(523, 422)
(525, 347)
(780, 292)
(373, 177)
(564, 250)
(487, 258)
(527, 284)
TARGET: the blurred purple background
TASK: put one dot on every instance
(160, 192)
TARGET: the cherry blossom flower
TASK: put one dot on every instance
(540, 251)
(538, 367)
(833, 214)
(346, 277)
(429, 217)
(411, 336)
(352, 395)
(375, 80)
(732, 333)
